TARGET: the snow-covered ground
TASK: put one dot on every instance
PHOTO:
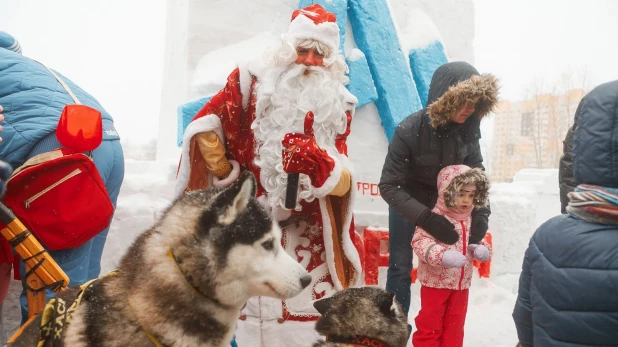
(148, 189)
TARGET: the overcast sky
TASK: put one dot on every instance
(111, 48)
(527, 39)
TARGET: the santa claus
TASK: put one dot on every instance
(288, 113)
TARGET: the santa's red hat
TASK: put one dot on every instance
(314, 22)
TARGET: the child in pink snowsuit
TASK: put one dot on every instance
(445, 271)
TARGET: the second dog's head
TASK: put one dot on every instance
(227, 246)
(363, 315)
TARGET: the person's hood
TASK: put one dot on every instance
(453, 177)
(8, 42)
(452, 85)
(595, 138)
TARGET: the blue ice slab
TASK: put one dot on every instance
(424, 63)
(186, 112)
(361, 83)
(376, 36)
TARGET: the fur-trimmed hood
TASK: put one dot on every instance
(452, 85)
(452, 178)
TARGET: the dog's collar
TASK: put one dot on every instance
(175, 260)
(358, 341)
(153, 339)
(171, 255)
(150, 336)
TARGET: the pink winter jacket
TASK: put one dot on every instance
(431, 272)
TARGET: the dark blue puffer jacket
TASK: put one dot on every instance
(568, 289)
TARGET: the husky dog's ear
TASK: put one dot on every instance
(388, 304)
(323, 305)
(237, 197)
(246, 190)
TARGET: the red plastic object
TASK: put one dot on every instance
(80, 128)
(374, 259)
(485, 267)
(414, 274)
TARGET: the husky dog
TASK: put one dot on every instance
(368, 316)
(183, 282)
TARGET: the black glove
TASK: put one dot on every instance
(480, 224)
(438, 226)
(5, 173)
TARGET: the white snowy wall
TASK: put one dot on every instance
(367, 148)
(175, 77)
(517, 210)
(453, 18)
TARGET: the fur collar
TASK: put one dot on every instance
(482, 90)
(473, 176)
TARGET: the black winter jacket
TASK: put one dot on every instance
(427, 141)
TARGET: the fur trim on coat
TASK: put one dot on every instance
(482, 90)
(471, 177)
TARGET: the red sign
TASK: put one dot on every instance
(366, 188)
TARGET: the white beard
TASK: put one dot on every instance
(284, 96)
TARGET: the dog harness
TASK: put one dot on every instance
(56, 317)
(359, 341)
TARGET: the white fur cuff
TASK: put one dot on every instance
(331, 181)
(209, 122)
(231, 178)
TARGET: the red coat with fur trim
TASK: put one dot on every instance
(336, 258)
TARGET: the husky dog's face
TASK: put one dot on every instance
(233, 250)
(363, 312)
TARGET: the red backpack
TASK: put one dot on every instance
(59, 195)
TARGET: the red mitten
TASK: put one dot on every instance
(301, 154)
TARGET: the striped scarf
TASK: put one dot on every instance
(594, 204)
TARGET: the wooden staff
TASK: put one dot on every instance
(42, 271)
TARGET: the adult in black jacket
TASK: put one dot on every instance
(444, 133)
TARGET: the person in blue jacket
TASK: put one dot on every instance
(568, 288)
(32, 101)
